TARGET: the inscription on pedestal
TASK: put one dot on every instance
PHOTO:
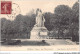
(43, 33)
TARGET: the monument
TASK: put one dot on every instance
(39, 31)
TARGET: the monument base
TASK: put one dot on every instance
(39, 33)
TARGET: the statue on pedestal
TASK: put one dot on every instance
(39, 19)
(39, 31)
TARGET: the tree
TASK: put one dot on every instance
(75, 22)
(47, 17)
(75, 9)
(2, 23)
(62, 13)
(62, 9)
(7, 29)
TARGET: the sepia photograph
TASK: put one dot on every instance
(39, 23)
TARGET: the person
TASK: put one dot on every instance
(39, 19)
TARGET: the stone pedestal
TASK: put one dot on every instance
(39, 33)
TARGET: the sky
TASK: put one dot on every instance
(45, 5)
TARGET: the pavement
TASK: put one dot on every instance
(48, 42)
